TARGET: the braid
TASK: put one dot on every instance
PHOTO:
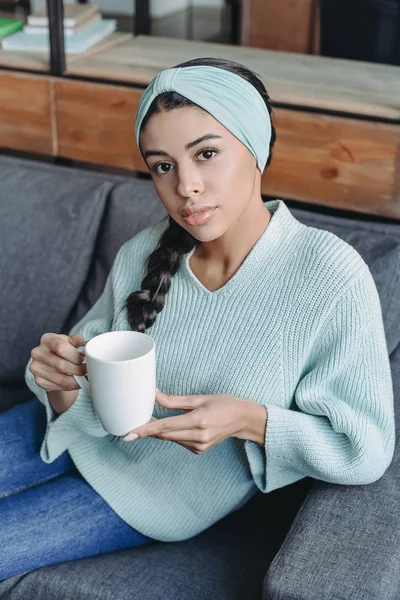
(163, 263)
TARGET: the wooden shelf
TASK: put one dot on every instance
(31, 61)
(298, 80)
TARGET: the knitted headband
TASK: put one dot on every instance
(229, 98)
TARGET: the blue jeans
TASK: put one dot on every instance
(48, 512)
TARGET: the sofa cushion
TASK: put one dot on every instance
(133, 206)
(379, 245)
(228, 561)
(48, 225)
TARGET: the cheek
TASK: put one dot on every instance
(236, 174)
(165, 189)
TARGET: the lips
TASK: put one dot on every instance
(186, 212)
(201, 218)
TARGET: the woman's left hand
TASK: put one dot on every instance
(208, 421)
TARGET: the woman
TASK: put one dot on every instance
(271, 354)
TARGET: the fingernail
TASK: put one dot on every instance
(131, 436)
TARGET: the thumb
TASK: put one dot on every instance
(77, 340)
(172, 401)
(161, 398)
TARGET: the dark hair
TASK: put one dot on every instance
(162, 264)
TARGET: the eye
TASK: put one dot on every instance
(208, 153)
(161, 168)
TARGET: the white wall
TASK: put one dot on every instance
(159, 8)
(216, 3)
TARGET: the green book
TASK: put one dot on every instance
(9, 26)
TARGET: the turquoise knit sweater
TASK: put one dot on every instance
(298, 329)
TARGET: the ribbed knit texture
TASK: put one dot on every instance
(298, 328)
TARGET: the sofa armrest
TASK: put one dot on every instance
(344, 543)
(345, 540)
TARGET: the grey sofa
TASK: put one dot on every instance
(60, 229)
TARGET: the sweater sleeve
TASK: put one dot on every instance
(341, 428)
(80, 418)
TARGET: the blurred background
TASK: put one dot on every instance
(72, 74)
(367, 30)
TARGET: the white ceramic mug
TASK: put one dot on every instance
(121, 369)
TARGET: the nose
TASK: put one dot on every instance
(190, 182)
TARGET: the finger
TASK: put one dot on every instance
(177, 402)
(60, 364)
(43, 374)
(50, 386)
(161, 426)
(191, 448)
(77, 340)
(64, 349)
(65, 365)
(55, 342)
(184, 435)
(46, 385)
(187, 446)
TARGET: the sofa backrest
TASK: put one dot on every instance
(132, 206)
(49, 221)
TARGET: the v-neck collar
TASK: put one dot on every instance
(281, 223)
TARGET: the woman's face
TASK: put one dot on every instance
(195, 161)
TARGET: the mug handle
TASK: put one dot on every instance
(80, 380)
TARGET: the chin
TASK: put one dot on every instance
(205, 237)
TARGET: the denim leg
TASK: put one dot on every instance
(57, 521)
(22, 429)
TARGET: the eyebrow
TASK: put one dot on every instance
(203, 138)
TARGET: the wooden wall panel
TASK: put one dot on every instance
(321, 159)
(344, 163)
(95, 123)
(26, 117)
(286, 25)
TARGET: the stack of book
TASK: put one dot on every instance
(9, 26)
(83, 28)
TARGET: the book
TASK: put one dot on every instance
(75, 44)
(9, 26)
(68, 31)
(74, 14)
(115, 39)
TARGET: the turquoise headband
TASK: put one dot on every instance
(229, 98)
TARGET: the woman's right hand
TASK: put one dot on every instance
(56, 360)
(54, 363)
